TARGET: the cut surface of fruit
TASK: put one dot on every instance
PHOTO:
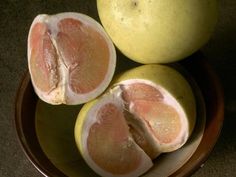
(118, 143)
(71, 59)
(162, 119)
(106, 143)
(44, 62)
(159, 112)
(141, 116)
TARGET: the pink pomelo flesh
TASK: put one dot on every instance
(148, 104)
(82, 50)
(78, 46)
(114, 152)
(141, 91)
(43, 60)
(162, 119)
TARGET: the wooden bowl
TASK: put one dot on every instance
(45, 132)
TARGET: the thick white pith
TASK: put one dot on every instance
(114, 97)
(63, 93)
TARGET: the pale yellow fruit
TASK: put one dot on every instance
(149, 110)
(158, 31)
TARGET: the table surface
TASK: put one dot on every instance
(15, 19)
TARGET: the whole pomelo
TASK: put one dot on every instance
(158, 31)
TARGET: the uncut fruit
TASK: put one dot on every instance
(158, 31)
(149, 110)
(70, 58)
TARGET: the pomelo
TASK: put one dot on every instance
(149, 110)
(163, 31)
(70, 57)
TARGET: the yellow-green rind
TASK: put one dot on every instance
(79, 124)
(158, 31)
(171, 80)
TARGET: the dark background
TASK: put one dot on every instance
(15, 19)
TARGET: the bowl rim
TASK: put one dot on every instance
(198, 158)
(20, 132)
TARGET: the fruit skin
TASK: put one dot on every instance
(163, 31)
(80, 123)
(171, 80)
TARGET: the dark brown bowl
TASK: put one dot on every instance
(198, 68)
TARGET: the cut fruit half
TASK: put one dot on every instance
(70, 57)
(149, 110)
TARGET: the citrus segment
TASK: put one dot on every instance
(115, 148)
(162, 119)
(71, 59)
(43, 58)
(148, 103)
(141, 136)
(141, 91)
(78, 45)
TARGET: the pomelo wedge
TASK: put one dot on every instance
(70, 57)
(149, 110)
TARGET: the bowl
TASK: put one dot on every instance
(45, 132)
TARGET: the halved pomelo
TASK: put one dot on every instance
(149, 110)
(70, 57)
